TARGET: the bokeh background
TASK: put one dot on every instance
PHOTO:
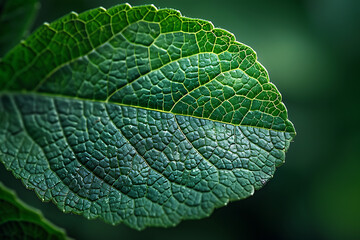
(311, 51)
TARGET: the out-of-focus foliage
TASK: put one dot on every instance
(19, 221)
(16, 17)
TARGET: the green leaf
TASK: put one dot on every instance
(139, 115)
(19, 221)
(16, 17)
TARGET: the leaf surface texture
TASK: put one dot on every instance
(139, 115)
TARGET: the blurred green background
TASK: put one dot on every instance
(311, 51)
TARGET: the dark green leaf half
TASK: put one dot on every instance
(139, 115)
(19, 221)
(16, 17)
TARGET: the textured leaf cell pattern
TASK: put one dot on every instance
(139, 115)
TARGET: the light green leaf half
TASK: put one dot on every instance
(139, 115)
(16, 17)
(19, 221)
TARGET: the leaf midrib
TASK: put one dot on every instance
(128, 105)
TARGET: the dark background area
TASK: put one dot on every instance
(310, 49)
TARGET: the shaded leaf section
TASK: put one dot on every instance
(131, 165)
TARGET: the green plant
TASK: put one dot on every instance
(19, 221)
(139, 115)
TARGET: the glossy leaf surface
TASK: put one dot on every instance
(139, 115)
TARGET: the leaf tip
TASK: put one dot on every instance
(102, 9)
(75, 14)
(152, 5)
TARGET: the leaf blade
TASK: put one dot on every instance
(197, 129)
